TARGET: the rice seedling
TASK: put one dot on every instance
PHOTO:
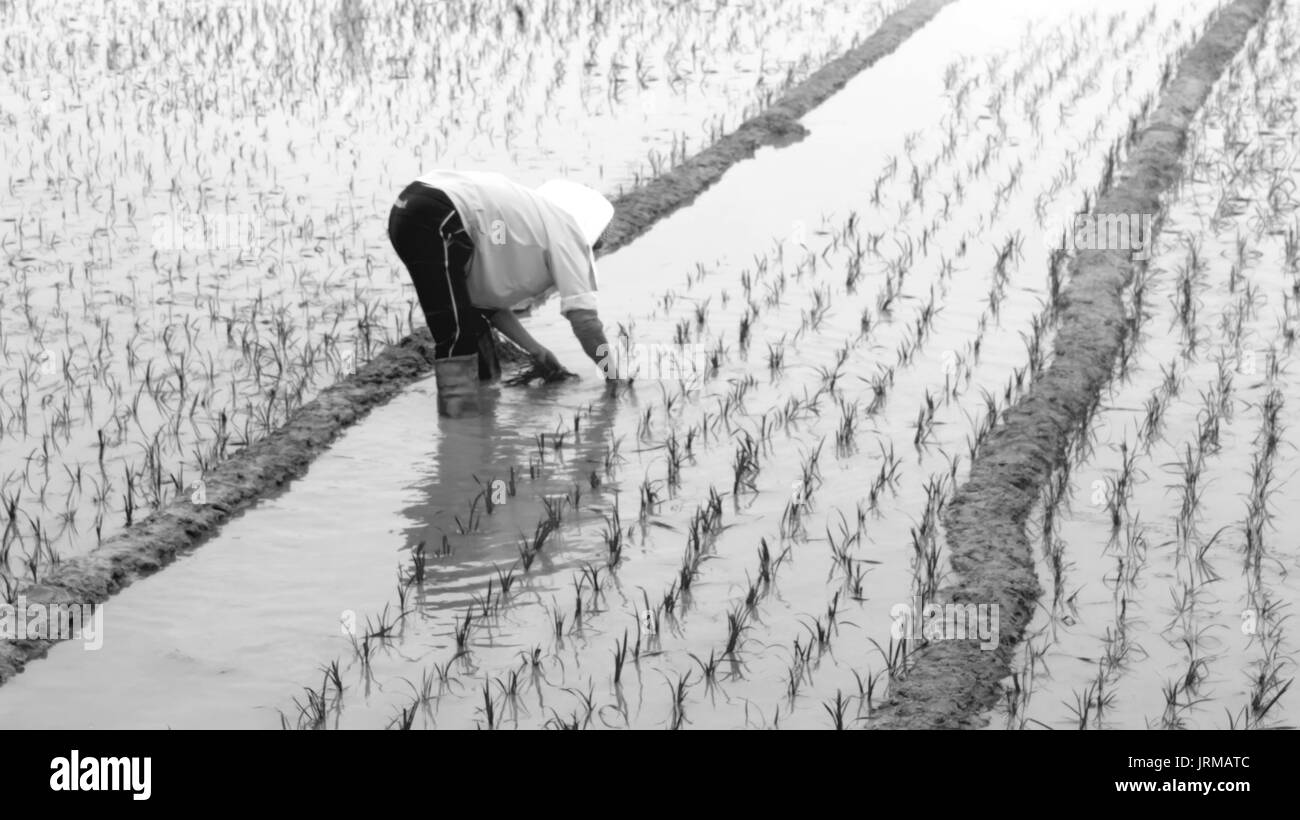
(311, 715)
(708, 669)
(591, 575)
(489, 707)
(792, 519)
(799, 671)
(1119, 489)
(505, 579)
(810, 475)
(846, 434)
(557, 621)
(530, 548)
(613, 536)
(463, 628)
(1267, 686)
(620, 657)
(775, 359)
(1176, 707)
(677, 692)
(650, 498)
(1191, 467)
(837, 709)
(554, 509)
(674, 461)
(895, 656)
(737, 620)
(924, 424)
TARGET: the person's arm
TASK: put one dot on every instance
(573, 268)
(591, 335)
(508, 323)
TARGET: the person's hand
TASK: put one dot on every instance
(546, 363)
(545, 366)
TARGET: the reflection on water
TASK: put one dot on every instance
(484, 461)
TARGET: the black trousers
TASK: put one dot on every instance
(432, 243)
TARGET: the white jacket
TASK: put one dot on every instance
(524, 245)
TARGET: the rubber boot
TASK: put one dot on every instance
(457, 381)
(489, 362)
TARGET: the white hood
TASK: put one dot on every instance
(588, 207)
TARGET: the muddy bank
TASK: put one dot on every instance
(270, 464)
(953, 684)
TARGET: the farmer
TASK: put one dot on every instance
(477, 244)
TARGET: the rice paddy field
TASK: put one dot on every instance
(823, 343)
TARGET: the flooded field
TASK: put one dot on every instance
(196, 195)
(824, 341)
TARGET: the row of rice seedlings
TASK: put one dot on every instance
(1181, 693)
(1039, 326)
(744, 467)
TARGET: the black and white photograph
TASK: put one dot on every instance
(649, 365)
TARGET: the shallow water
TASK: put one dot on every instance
(403, 476)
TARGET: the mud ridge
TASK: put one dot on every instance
(954, 684)
(269, 464)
